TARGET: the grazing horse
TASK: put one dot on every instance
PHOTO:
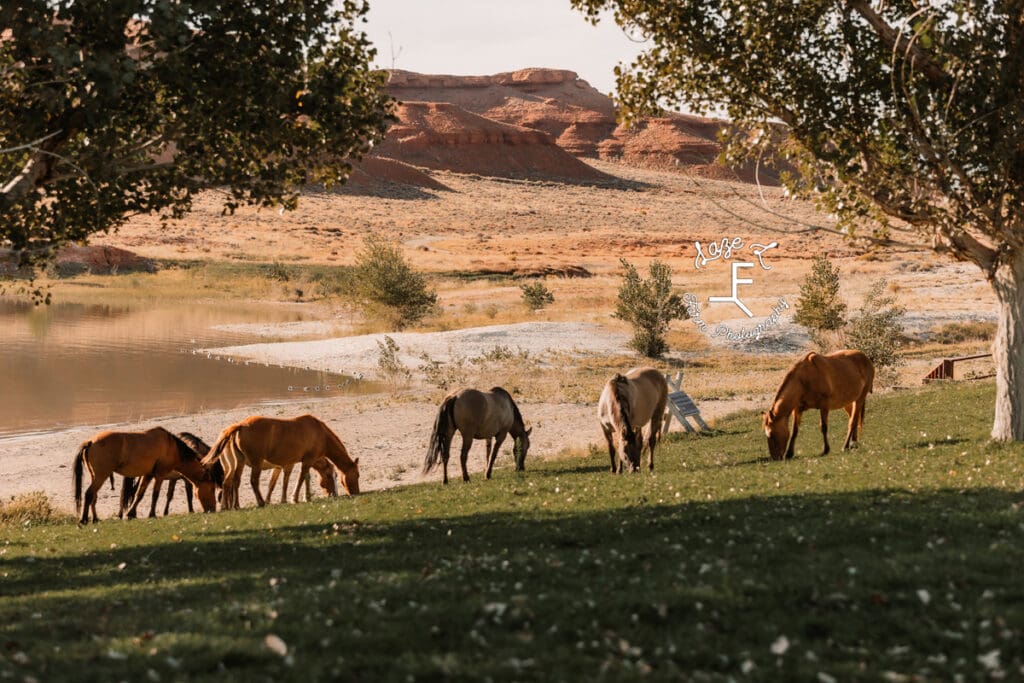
(152, 455)
(842, 379)
(128, 484)
(628, 402)
(321, 465)
(279, 443)
(477, 415)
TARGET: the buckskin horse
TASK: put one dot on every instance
(152, 455)
(628, 402)
(280, 443)
(489, 415)
(842, 379)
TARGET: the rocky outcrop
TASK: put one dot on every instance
(442, 135)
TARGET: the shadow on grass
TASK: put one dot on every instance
(850, 584)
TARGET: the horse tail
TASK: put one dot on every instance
(128, 488)
(439, 440)
(76, 472)
(218, 448)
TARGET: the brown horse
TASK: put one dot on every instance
(321, 465)
(842, 379)
(490, 415)
(128, 484)
(152, 455)
(280, 443)
(628, 402)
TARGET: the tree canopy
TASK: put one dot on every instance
(114, 108)
(899, 116)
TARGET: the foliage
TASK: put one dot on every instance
(649, 306)
(536, 295)
(819, 308)
(902, 118)
(875, 329)
(382, 278)
(902, 556)
(29, 508)
(959, 332)
(114, 109)
(390, 365)
(444, 376)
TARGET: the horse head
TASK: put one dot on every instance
(777, 431)
(633, 446)
(327, 480)
(520, 447)
(350, 478)
(207, 493)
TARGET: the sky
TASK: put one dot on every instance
(482, 37)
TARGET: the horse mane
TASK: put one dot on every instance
(195, 443)
(620, 400)
(515, 409)
(336, 440)
(790, 374)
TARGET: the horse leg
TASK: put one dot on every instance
(611, 450)
(467, 443)
(171, 485)
(254, 479)
(824, 430)
(132, 511)
(853, 410)
(792, 437)
(156, 497)
(492, 455)
(188, 496)
(274, 474)
(303, 473)
(89, 503)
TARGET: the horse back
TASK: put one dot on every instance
(841, 377)
(482, 414)
(131, 454)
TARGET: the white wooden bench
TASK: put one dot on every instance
(682, 407)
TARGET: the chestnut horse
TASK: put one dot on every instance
(628, 402)
(842, 379)
(279, 443)
(490, 415)
(321, 465)
(128, 485)
(152, 455)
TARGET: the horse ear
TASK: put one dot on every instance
(356, 461)
(529, 431)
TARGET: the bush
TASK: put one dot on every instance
(29, 508)
(536, 296)
(875, 329)
(819, 309)
(971, 330)
(649, 306)
(391, 366)
(383, 279)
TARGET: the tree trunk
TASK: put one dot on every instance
(1008, 351)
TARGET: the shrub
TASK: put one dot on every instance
(649, 306)
(383, 279)
(391, 366)
(875, 329)
(536, 296)
(29, 508)
(819, 309)
(957, 332)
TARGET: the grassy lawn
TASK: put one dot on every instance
(899, 561)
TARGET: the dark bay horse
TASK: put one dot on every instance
(151, 455)
(628, 402)
(842, 379)
(279, 443)
(477, 415)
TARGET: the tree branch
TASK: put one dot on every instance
(895, 40)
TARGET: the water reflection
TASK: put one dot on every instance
(70, 364)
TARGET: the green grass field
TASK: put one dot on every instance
(900, 561)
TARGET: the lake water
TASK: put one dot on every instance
(73, 364)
